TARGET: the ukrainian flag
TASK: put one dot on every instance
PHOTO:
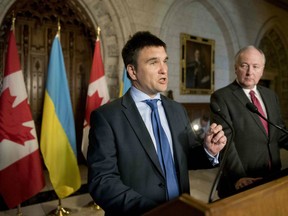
(58, 139)
(125, 83)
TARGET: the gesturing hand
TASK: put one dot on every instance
(215, 139)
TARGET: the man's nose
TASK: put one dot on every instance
(163, 68)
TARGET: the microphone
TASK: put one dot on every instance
(251, 107)
(216, 110)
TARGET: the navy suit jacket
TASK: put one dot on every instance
(252, 148)
(124, 174)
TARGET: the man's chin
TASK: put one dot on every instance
(162, 89)
(247, 84)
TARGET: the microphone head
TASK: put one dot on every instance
(215, 107)
(252, 107)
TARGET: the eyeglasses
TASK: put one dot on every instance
(255, 67)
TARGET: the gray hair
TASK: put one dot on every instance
(246, 48)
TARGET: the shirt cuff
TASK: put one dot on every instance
(213, 159)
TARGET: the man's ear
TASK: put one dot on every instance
(131, 71)
(235, 68)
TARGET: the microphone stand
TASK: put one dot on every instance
(216, 110)
(254, 109)
(277, 126)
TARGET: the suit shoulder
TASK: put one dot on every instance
(171, 102)
(110, 106)
(266, 91)
(264, 88)
(224, 90)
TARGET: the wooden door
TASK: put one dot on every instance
(34, 34)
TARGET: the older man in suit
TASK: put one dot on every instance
(128, 173)
(254, 152)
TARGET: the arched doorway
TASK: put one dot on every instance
(35, 29)
(275, 75)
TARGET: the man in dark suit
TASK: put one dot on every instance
(125, 176)
(254, 152)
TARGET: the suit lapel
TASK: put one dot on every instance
(133, 116)
(239, 93)
(269, 108)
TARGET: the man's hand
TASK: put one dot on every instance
(243, 182)
(215, 140)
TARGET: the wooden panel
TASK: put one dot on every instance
(279, 3)
(196, 110)
(269, 199)
(35, 28)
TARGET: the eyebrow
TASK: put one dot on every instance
(155, 58)
(245, 63)
(152, 59)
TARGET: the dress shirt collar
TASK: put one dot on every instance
(248, 90)
(139, 96)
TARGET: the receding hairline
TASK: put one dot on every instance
(236, 59)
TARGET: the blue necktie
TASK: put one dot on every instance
(164, 152)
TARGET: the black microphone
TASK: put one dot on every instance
(216, 110)
(251, 107)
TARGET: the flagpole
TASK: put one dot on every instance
(98, 33)
(59, 29)
(17, 173)
(92, 204)
(60, 211)
(19, 213)
(13, 21)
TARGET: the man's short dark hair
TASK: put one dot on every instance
(136, 43)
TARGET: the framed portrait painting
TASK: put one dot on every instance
(197, 65)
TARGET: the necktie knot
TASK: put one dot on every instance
(257, 103)
(252, 93)
(152, 103)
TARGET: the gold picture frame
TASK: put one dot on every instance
(197, 65)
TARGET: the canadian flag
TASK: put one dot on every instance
(21, 175)
(97, 94)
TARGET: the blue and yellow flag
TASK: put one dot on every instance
(125, 83)
(58, 138)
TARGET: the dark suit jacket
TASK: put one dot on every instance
(124, 174)
(251, 148)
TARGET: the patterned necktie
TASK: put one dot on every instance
(256, 102)
(164, 152)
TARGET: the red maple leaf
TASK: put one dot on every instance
(94, 101)
(12, 119)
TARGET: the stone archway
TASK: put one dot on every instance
(274, 44)
(35, 29)
(36, 25)
(276, 67)
(228, 42)
(116, 27)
